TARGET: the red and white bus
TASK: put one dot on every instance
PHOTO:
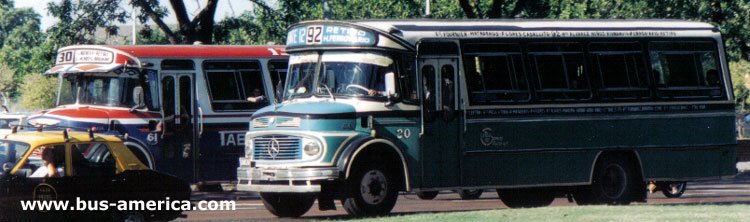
(185, 109)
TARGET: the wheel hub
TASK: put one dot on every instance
(373, 187)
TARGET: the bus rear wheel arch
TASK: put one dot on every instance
(616, 180)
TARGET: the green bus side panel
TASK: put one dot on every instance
(528, 168)
(561, 151)
(684, 164)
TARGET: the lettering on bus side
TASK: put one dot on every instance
(231, 138)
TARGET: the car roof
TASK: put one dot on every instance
(35, 138)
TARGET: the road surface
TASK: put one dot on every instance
(250, 208)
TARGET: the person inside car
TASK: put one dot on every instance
(48, 168)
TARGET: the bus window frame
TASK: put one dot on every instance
(261, 69)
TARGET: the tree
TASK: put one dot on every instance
(38, 92)
(199, 28)
(7, 84)
(20, 35)
(79, 21)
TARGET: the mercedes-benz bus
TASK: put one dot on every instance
(536, 109)
(184, 109)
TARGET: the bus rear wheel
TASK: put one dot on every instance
(427, 195)
(372, 191)
(614, 183)
(525, 198)
(287, 204)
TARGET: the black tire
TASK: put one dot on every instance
(470, 194)
(287, 204)
(666, 189)
(427, 195)
(371, 191)
(525, 198)
(614, 182)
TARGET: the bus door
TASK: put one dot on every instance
(178, 138)
(440, 141)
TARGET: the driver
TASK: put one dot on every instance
(48, 168)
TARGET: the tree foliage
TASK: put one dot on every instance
(38, 92)
(189, 30)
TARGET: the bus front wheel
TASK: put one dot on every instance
(372, 191)
(287, 204)
(614, 183)
(525, 198)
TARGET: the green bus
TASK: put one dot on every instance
(536, 109)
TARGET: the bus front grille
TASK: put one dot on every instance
(277, 148)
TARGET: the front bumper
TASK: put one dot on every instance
(291, 180)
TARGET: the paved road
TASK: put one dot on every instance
(249, 207)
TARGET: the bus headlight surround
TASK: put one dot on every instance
(312, 148)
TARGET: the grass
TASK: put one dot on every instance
(639, 213)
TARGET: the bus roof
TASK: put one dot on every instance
(533, 24)
(207, 51)
(99, 58)
(409, 32)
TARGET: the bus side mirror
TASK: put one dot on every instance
(390, 88)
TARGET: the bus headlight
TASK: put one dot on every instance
(312, 148)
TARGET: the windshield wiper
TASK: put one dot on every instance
(329, 90)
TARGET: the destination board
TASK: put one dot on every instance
(85, 56)
(329, 35)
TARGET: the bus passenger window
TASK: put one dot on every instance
(560, 71)
(495, 74)
(621, 70)
(230, 84)
(686, 70)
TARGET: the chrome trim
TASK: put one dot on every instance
(291, 175)
(279, 188)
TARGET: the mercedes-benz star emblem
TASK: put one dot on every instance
(273, 148)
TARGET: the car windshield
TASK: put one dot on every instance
(356, 74)
(105, 89)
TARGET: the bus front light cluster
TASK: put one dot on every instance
(311, 147)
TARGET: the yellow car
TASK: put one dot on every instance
(94, 173)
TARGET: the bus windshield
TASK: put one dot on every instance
(104, 89)
(348, 74)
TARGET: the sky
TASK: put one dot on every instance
(226, 8)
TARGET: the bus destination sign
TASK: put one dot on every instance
(329, 35)
(84, 56)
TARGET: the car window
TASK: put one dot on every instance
(92, 160)
(43, 162)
